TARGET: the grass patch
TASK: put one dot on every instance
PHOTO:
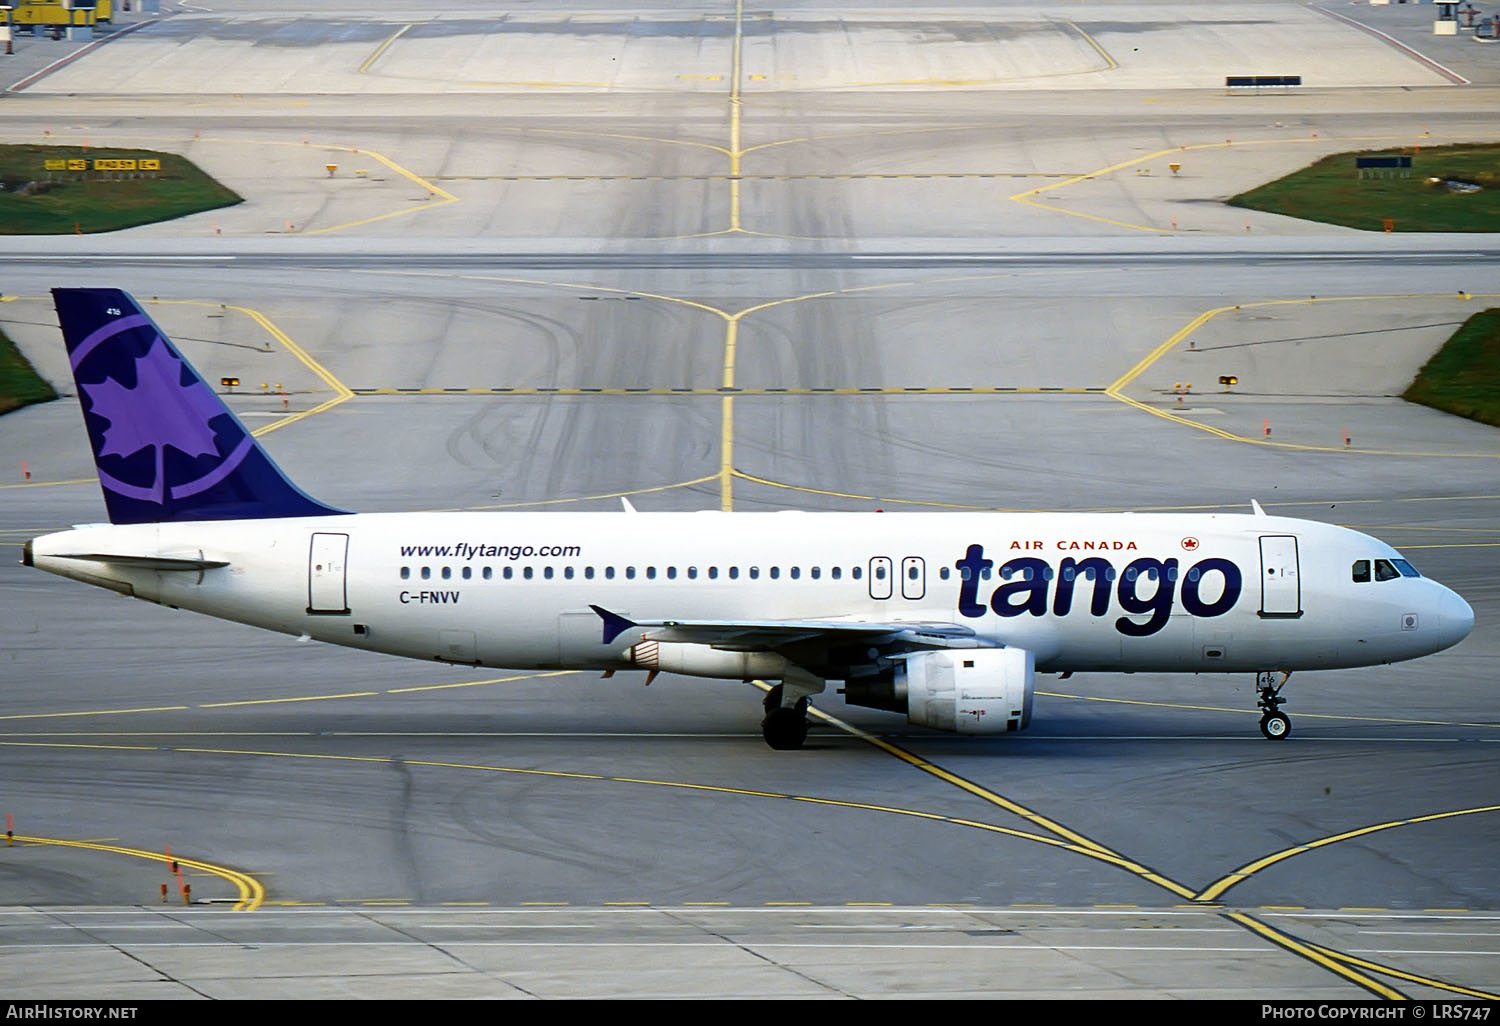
(1464, 376)
(19, 384)
(36, 201)
(1331, 191)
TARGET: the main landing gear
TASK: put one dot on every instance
(784, 729)
(1274, 723)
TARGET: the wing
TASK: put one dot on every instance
(775, 635)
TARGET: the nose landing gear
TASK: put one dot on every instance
(1274, 723)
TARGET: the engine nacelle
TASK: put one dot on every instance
(706, 661)
(970, 691)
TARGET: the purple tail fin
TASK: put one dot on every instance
(166, 447)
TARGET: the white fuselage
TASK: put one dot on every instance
(1168, 592)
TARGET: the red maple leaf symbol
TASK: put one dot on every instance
(1190, 543)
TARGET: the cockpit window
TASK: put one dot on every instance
(1384, 571)
(1361, 571)
(1407, 570)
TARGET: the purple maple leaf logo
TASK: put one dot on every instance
(159, 411)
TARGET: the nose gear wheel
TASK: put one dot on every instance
(1274, 723)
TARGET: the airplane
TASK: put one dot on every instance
(945, 617)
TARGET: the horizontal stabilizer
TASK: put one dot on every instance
(144, 562)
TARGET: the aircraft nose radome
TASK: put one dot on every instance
(1457, 617)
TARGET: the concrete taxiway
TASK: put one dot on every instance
(918, 275)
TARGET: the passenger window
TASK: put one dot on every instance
(854, 572)
(509, 573)
(547, 573)
(488, 573)
(426, 573)
(527, 573)
(650, 573)
(568, 572)
(943, 573)
(692, 573)
(775, 573)
(406, 573)
(588, 573)
(448, 572)
(1361, 571)
(609, 573)
(630, 573)
(713, 573)
(734, 573)
(836, 572)
(754, 573)
(796, 573)
(671, 573)
(1384, 571)
(466, 573)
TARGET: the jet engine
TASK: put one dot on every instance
(968, 691)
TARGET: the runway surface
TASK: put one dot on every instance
(505, 322)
